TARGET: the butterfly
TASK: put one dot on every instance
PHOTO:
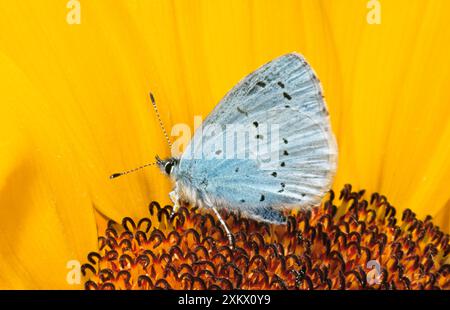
(284, 92)
(266, 147)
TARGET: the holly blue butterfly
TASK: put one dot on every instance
(266, 147)
(253, 180)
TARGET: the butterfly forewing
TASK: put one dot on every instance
(287, 80)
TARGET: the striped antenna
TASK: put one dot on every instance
(161, 124)
(118, 174)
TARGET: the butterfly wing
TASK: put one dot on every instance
(287, 80)
(289, 154)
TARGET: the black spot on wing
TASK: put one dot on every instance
(261, 84)
(280, 84)
(283, 164)
(274, 174)
(255, 123)
(242, 111)
(285, 141)
(287, 96)
(262, 198)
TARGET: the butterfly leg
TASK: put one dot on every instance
(224, 225)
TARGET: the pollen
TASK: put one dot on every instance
(353, 242)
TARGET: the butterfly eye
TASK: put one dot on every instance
(168, 167)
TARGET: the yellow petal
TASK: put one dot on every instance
(47, 217)
(393, 135)
(82, 112)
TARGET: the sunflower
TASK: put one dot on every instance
(346, 243)
(74, 107)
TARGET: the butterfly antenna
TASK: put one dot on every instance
(159, 119)
(116, 175)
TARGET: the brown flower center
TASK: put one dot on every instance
(345, 243)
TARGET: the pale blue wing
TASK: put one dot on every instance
(299, 175)
(283, 94)
(287, 80)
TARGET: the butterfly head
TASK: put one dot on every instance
(167, 165)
